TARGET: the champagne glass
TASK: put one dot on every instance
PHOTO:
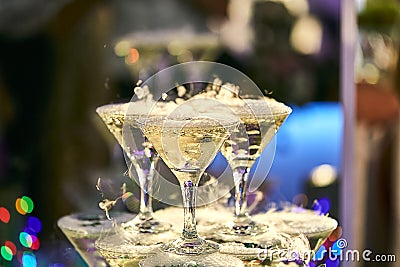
(138, 237)
(261, 117)
(143, 160)
(187, 140)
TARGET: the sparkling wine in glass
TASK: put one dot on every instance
(143, 159)
(260, 120)
(188, 142)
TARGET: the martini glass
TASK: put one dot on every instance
(188, 142)
(261, 117)
(142, 159)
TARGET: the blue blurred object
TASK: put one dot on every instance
(311, 136)
(321, 206)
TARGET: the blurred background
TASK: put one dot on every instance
(61, 59)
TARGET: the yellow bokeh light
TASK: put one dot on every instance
(185, 56)
(323, 175)
(371, 73)
(175, 49)
(306, 35)
(122, 48)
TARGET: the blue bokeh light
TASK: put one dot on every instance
(29, 260)
(34, 224)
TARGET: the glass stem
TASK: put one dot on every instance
(146, 179)
(189, 191)
(241, 177)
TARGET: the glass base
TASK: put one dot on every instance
(82, 229)
(270, 249)
(316, 228)
(215, 259)
(193, 246)
(267, 239)
(244, 226)
(124, 249)
(145, 224)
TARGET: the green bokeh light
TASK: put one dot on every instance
(27, 204)
(6, 253)
(25, 239)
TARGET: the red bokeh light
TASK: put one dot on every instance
(4, 215)
(133, 56)
(11, 246)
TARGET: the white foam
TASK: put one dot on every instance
(229, 95)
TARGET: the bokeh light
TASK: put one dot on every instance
(18, 206)
(317, 207)
(325, 205)
(175, 48)
(35, 243)
(11, 246)
(29, 241)
(121, 49)
(323, 175)
(24, 205)
(371, 73)
(300, 200)
(29, 259)
(6, 253)
(336, 234)
(306, 36)
(29, 203)
(133, 56)
(25, 239)
(185, 56)
(34, 224)
(4, 215)
(321, 206)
